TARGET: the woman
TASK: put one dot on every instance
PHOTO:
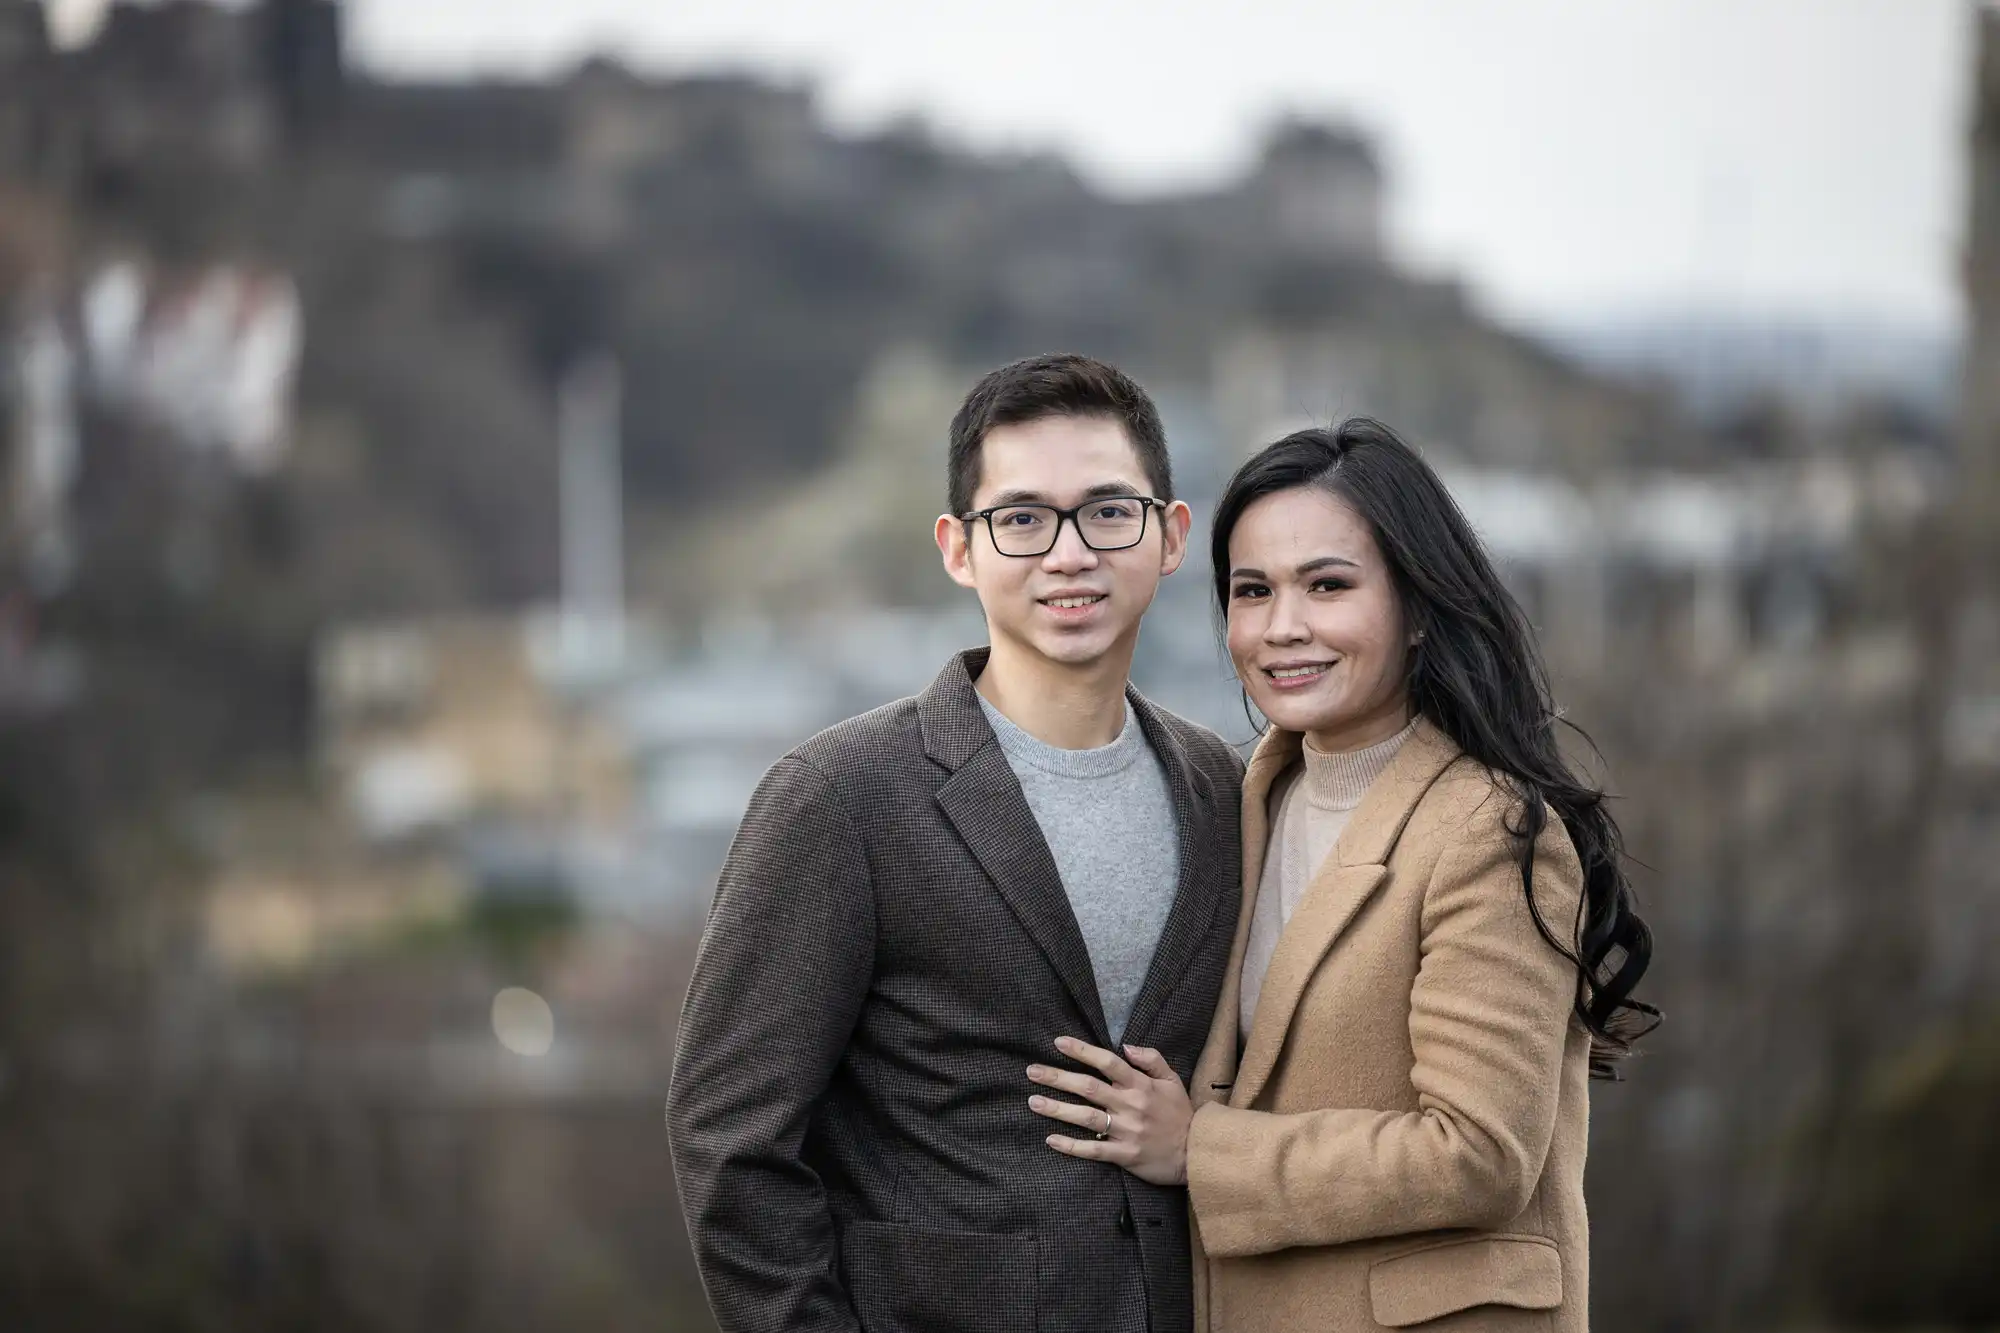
(1437, 945)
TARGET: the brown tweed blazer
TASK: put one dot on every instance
(889, 949)
(1400, 1142)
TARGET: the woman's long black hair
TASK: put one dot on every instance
(1477, 674)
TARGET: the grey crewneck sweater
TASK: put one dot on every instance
(1108, 817)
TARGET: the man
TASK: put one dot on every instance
(921, 899)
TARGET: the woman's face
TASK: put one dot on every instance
(1315, 628)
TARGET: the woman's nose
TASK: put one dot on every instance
(1287, 624)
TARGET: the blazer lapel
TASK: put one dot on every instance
(983, 801)
(1196, 894)
(1352, 875)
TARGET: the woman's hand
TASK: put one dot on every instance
(1138, 1114)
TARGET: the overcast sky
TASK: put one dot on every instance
(1566, 157)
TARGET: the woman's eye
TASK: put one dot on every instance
(1331, 585)
(1249, 590)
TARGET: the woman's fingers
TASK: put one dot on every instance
(1081, 1085)
(1150, 1062)
(1104, 1062)
(1148, 1102)
(1094, 1150)
(1089, 1117)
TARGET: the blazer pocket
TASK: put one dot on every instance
(1521, 1271)
(915, 1280)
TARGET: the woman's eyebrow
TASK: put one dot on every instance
(1317, 563)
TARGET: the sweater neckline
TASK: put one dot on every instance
(1098, 762)
(1337, 780)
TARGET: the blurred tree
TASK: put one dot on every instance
(1906, 1229)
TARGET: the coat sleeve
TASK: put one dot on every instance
(785, 963)
(1490, 1013)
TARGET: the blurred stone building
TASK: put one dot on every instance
(434, 722)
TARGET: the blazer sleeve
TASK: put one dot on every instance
(1490, 1013)
(784, 965)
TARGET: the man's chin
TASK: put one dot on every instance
(1083, 648)
(1077, 650)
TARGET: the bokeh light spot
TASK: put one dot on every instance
(523, 1021)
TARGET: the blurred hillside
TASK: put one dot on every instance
(458, 245)
(427, 509)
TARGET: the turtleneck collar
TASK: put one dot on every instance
(1338, 781)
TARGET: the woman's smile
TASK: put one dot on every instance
(1297, 675)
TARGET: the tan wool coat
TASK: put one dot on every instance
(1400, 1141)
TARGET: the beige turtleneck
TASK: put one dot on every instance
(1312, 805)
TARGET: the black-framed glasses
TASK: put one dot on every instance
(1109, 523)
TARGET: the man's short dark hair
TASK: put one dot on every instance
(1059, 385)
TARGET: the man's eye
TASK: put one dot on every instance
(1018, 518)
(1117, 511)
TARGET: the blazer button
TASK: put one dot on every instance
(1125, 1220)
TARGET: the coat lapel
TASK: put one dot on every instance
(1197, 893)
(1336, 894)
(983, 801)
(1351, 876)
(1215, 1074)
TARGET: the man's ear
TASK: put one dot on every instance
(953, 547)
(1175, 520)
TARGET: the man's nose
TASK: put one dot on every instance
(1070, 552)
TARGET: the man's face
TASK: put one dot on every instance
(1072, 605)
